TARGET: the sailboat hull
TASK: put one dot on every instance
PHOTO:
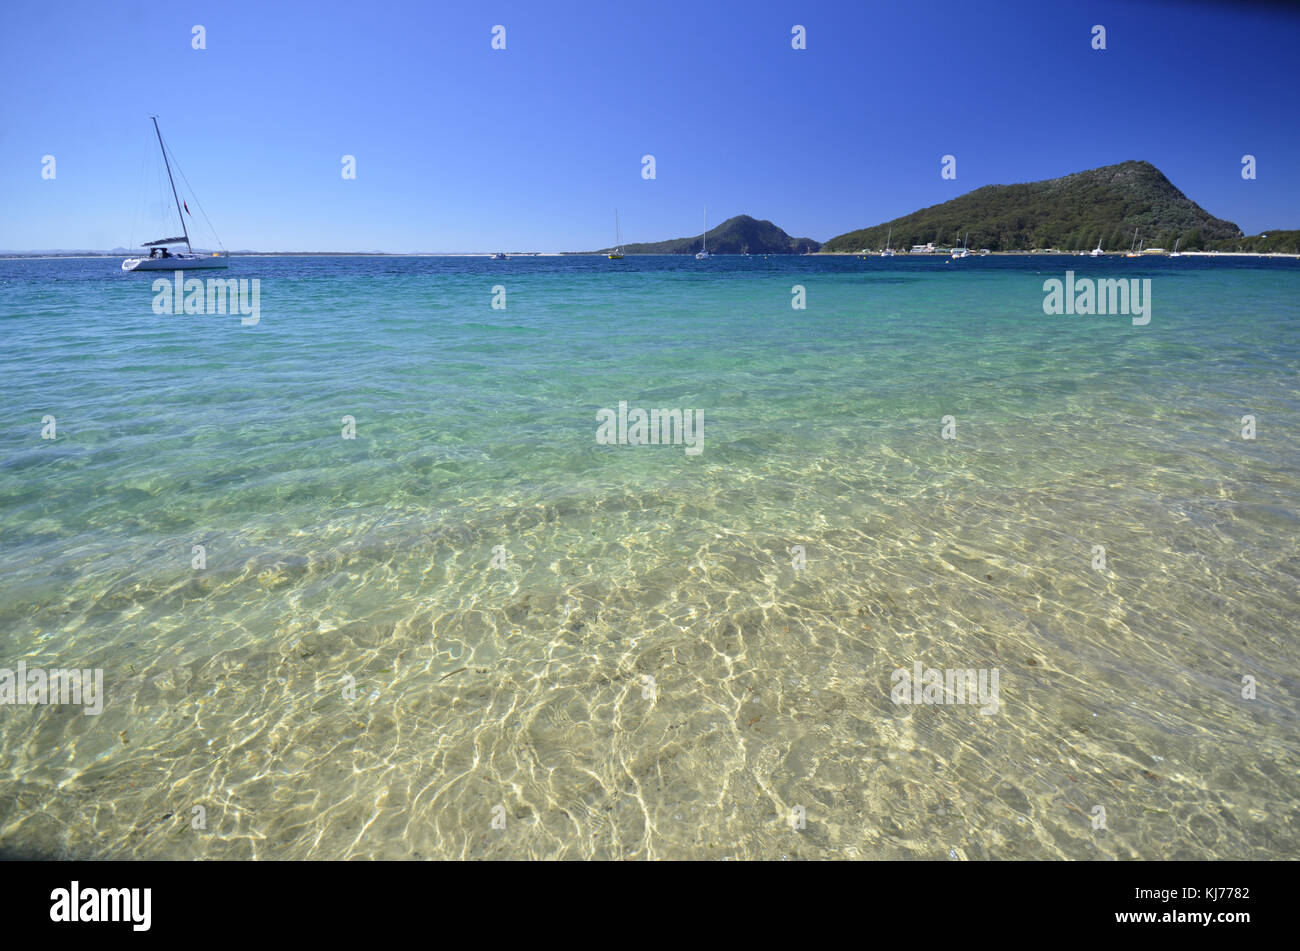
(177, 262)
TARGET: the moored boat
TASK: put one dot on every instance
(617, 253)
(161, 257)
(703, 253)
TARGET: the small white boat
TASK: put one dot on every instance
(180, 261)
(500, 256)
(703, 254)
(1175, 253)
(961, 252)
(1096, 252)
(160, 257)
(1135, 250)
(617, 253)
(889, 241)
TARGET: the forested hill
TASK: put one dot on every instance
(734, 236)
(1069, 213)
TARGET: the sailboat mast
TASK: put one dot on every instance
(175, 197)
(706, 229)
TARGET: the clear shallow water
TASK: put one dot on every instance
(524, 686)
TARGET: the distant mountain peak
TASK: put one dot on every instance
(736, 235)
(1072, 212)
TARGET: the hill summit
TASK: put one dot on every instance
(734, 236)
(1071, 213)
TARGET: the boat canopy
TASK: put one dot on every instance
(161, 241)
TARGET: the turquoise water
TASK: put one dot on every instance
(639, 670)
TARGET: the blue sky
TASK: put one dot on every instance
(463, 148)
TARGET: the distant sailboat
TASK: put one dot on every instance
(889, 241)
(1135, 249)
(1175, 253)
(617, 253)
(961, 252)
(161, 259)
(1096, 252)
(704, 254)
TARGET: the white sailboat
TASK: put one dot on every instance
(961, 252)
(1135, 249)
(889, 251)
(161, 258)
(704, 255)
(617, 253)
(1096, 252)
(1175, 252)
